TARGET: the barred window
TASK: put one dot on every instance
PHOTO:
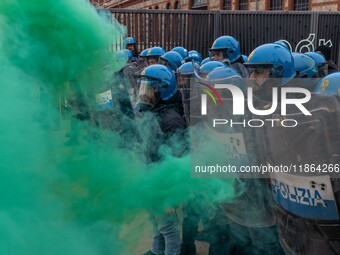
(276, 5)
(227, 4)
(301, 5)
(243, 4)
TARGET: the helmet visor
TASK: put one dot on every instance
(217, 55)
(258, 70)
(259, 75)
(162, 61)
(152, 60)
(183, 81)
(148, 91)
(220, 54)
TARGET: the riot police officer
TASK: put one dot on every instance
(227, 49)
(131, 45)
(157, 96)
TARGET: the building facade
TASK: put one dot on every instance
(260, 5)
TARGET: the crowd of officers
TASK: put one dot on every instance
(159, 82)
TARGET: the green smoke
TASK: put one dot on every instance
(67, 187)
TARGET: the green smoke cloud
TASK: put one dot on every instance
(90, 195)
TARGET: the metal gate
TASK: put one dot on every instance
(196, 30)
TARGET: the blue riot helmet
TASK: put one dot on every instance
(194, 55)
(284, 44)
(221, 75)
(225, 75)
(153, 54)
(209, 66)
(157, 83)
(245, 58)
(144, 53)
(155, 51)
(131, 58)
(142, 59)
(130, 40)
(121, 57)
(228, 46)
(305, 66)
(188, 69)
(131, 45)
(330, 84)
(275, 58)
(206, 60)
(320, 62)
(182, 51)
(171, 59)
(185, 72)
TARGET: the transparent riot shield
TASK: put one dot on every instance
(190, 100)
(131, 73)
(314, 140)
(307, 195)
(234, 145)
(111, 107)
(223, 145)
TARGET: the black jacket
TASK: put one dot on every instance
(164, 125)
(240, 68)
(332, 67)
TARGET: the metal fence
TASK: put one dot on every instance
(196, 30)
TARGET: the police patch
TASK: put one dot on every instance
(104, 100)
(324, 85)
(308, 197)
(251, 54)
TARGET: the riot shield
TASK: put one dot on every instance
(111, 107)
(190, 100)
(232, 140)
(315, 139)
(223, 145)
(131, 72)
(307, 196)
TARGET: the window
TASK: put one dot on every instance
(199, 4)
(176, 5)
(168, 6)
(243, 4)
(227, 5)
(275, 5)
(301, 5)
